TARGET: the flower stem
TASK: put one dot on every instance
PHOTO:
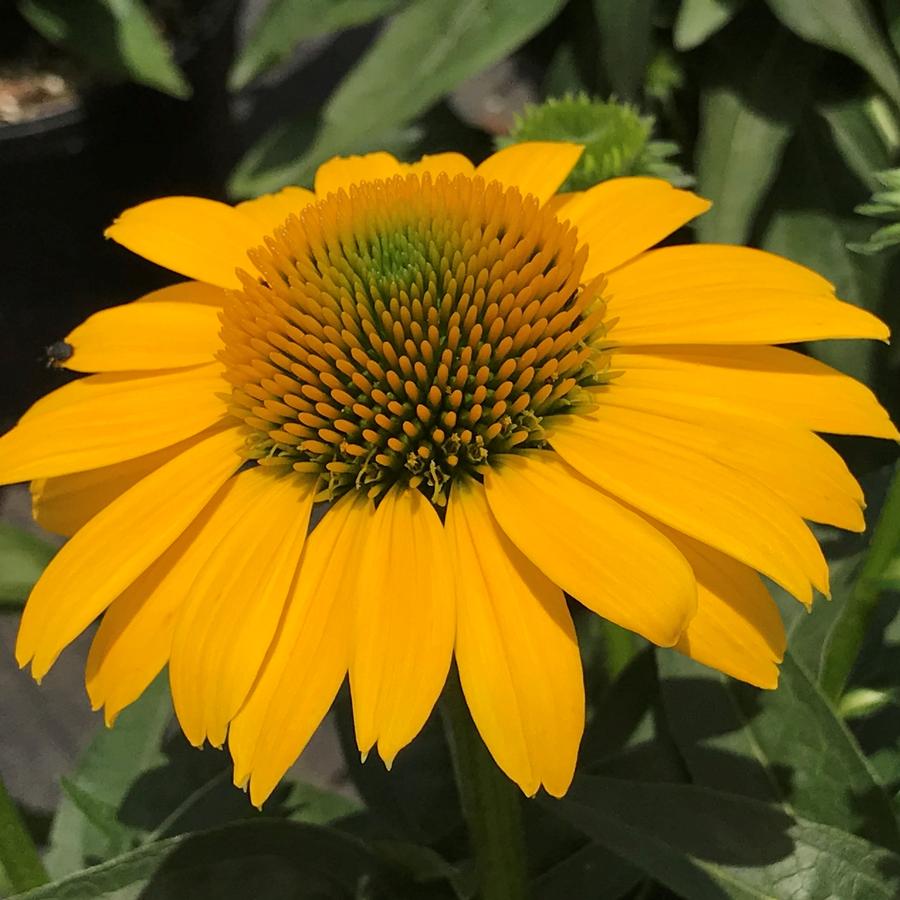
(19, 857)
(850, 630)
(491, 804)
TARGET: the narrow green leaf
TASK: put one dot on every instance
(786, 746)
(857, 136)
(265, 860)
(106, 771)
(848, 27)
(709, 845)
(626, 42)
(118, 38)
(591, 871)
(746, 123)
(847, 638)
(314, 805)
(890, 580)
(19, 860)
(23, 557)
(424, 52)
(286, 22)
(699, 20)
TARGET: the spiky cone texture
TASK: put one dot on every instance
(500, 396)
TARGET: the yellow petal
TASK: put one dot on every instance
(196, 237)
(737, 629)
(231, 611)
(516, 650)
(604, 555)
(145, 336)
(342, 171)
(134, 639)
(120, 543)
(693, 493)
(622, 217)
(715, 294)
(309, 656)
(67, 502)
(449, 164)
(105, 419)
(792, 462)
(534, 167)
(271, 210)
(187, 292)
(405, 619)
(765, 381)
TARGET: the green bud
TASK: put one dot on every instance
(617, 139)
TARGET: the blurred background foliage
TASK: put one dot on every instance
(785, 114)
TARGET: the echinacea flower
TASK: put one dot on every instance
(500, 396)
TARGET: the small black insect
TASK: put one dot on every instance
(58, 352)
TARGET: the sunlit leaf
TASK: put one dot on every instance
(424, 52)
(105, 772)
(698, 20)
(284, 23)
(118, 38)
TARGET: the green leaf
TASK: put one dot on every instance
(265, 860)
(118, 38)
(847, 638)
(314, 805)
(424, 52)
(106, 771)
(699, 20)
(23, 557)
(286, 22)
(786, 746)
(709, 845)
(859, 139)
(890, 580)
(626, 42)
(591, 871)
(848, 27)
(424, 866)
(746, 123)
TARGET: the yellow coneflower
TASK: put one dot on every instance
(498, 394)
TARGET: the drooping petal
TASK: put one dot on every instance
(715, 294)
(140, 336)
(120, 543)
(67, 502)
(604, 555)
(536, 167)
(187, 292)
(405, 621)
(680, 486)
(271, 210)
(309, 656)
(342, 171)
(449, 164)
(737, 629)
(134, 639)
(196, 237)
(516, 650)
(232, 609)
(622, 217)
(765, 381)
(792, 462)
(105, 419)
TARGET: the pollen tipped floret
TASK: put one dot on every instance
(409, 330)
